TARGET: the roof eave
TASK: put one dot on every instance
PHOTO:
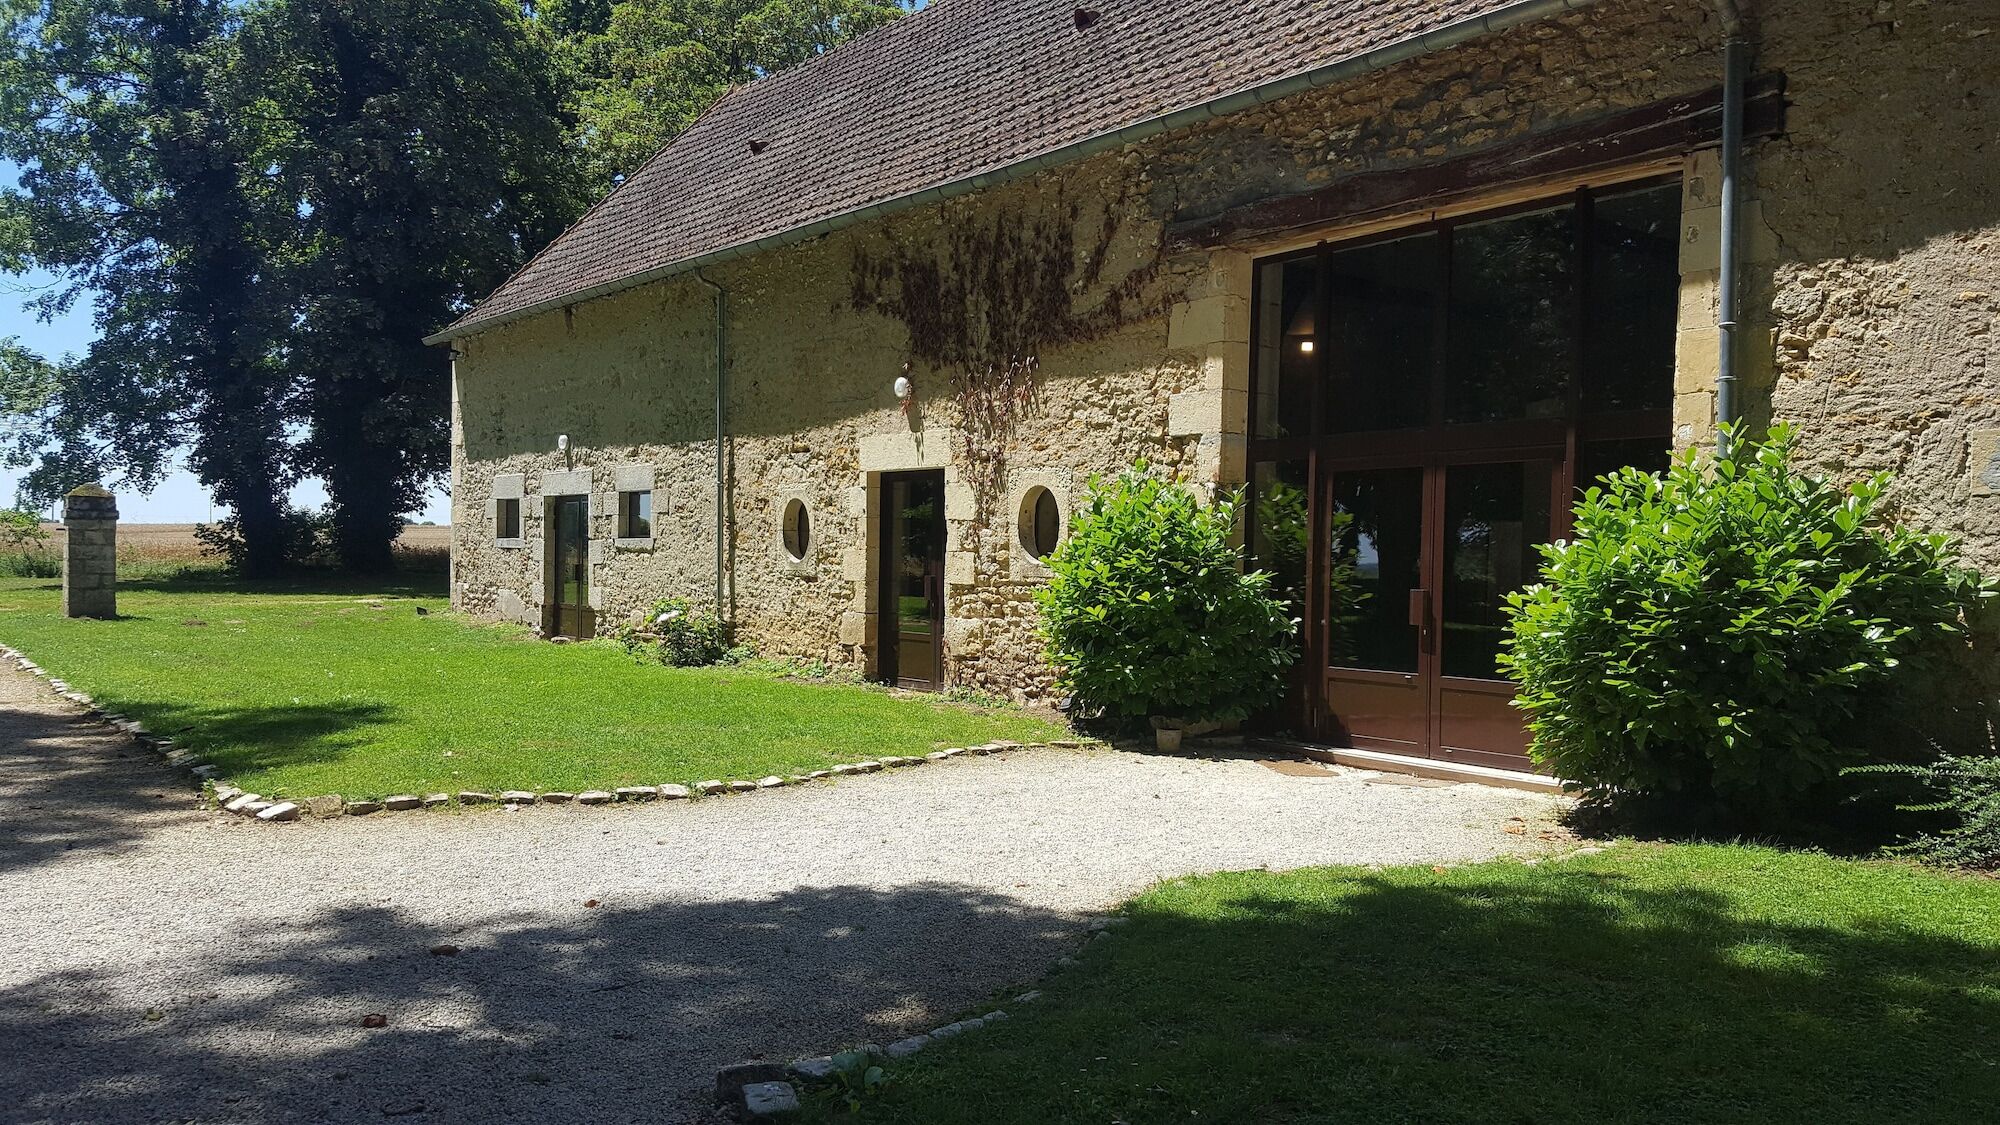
(1403, 50)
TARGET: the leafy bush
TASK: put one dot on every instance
(678, 633)
(856, 1078)
(24, 550)
(1150, 614)
(1715, 633)
(1969, 796)
(21, 530)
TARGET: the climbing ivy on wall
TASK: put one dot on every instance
(987, 298)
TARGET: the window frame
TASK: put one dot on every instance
(1568, 431)
(508, 530)
(628, 499)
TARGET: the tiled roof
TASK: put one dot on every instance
(959, 88)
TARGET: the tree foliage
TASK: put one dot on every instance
(268, 205)
(426, 159)
(644, 70)
(124, 116)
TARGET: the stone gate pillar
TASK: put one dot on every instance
(90, 552)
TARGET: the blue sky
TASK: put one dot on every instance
(179, 498)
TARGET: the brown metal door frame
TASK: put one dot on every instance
(888, 616)
(566, 514)
(1435, 465)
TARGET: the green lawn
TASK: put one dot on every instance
(297, 692)
(1645, 984)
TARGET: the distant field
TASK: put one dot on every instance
(155, 546)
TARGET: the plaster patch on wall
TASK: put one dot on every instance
(1985, 462)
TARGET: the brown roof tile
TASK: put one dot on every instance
(959, 88)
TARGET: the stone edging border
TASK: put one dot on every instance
(769, 1089)
(230, 798)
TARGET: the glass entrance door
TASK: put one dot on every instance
(911, 621)
(1418, 563)
(1377, 682)
(1488, 521)
(570, 549)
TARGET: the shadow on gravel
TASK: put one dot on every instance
(67, 788)
(602, 1015)
(70, 785)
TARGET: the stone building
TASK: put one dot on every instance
(1412, 270)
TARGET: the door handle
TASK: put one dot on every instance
(1420, 617)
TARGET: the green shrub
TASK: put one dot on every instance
(1150, 614)
(678, 633)
(30, 564)
(1715, 634)
(1968, 796)
(24, 546)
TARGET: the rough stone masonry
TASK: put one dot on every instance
(90, 552)
(1871, 231)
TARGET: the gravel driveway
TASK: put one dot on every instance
(162, 963)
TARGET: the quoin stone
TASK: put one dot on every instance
(90, 552)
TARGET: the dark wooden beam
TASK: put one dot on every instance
(1630, 136)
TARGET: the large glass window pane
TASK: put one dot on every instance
(1287, 316)
(1374, 560)
(1279, 531)
(1494, 516)
(1512, 327)
(1633, 301)
(1383, 340)
(1595, 459)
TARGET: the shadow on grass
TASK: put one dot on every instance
(1495, 994)
(399, 584)
(244, 738)
(562, 1013)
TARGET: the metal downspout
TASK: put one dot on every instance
(721, 451)
(1735, 67)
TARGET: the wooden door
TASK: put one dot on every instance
(569, 550)
(910, 624)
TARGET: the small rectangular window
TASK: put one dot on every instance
(635, 515)
(507, 519)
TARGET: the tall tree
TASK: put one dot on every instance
(135, 192)
(428, 160)
(658, 64)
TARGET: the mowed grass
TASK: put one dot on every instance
(301, 691)
(1645, 984)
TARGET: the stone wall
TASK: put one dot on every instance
(1870, 284)
(1877, 304)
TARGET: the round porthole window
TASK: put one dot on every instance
(1041, 522)
(798, 529)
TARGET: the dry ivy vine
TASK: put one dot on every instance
(985, 302)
